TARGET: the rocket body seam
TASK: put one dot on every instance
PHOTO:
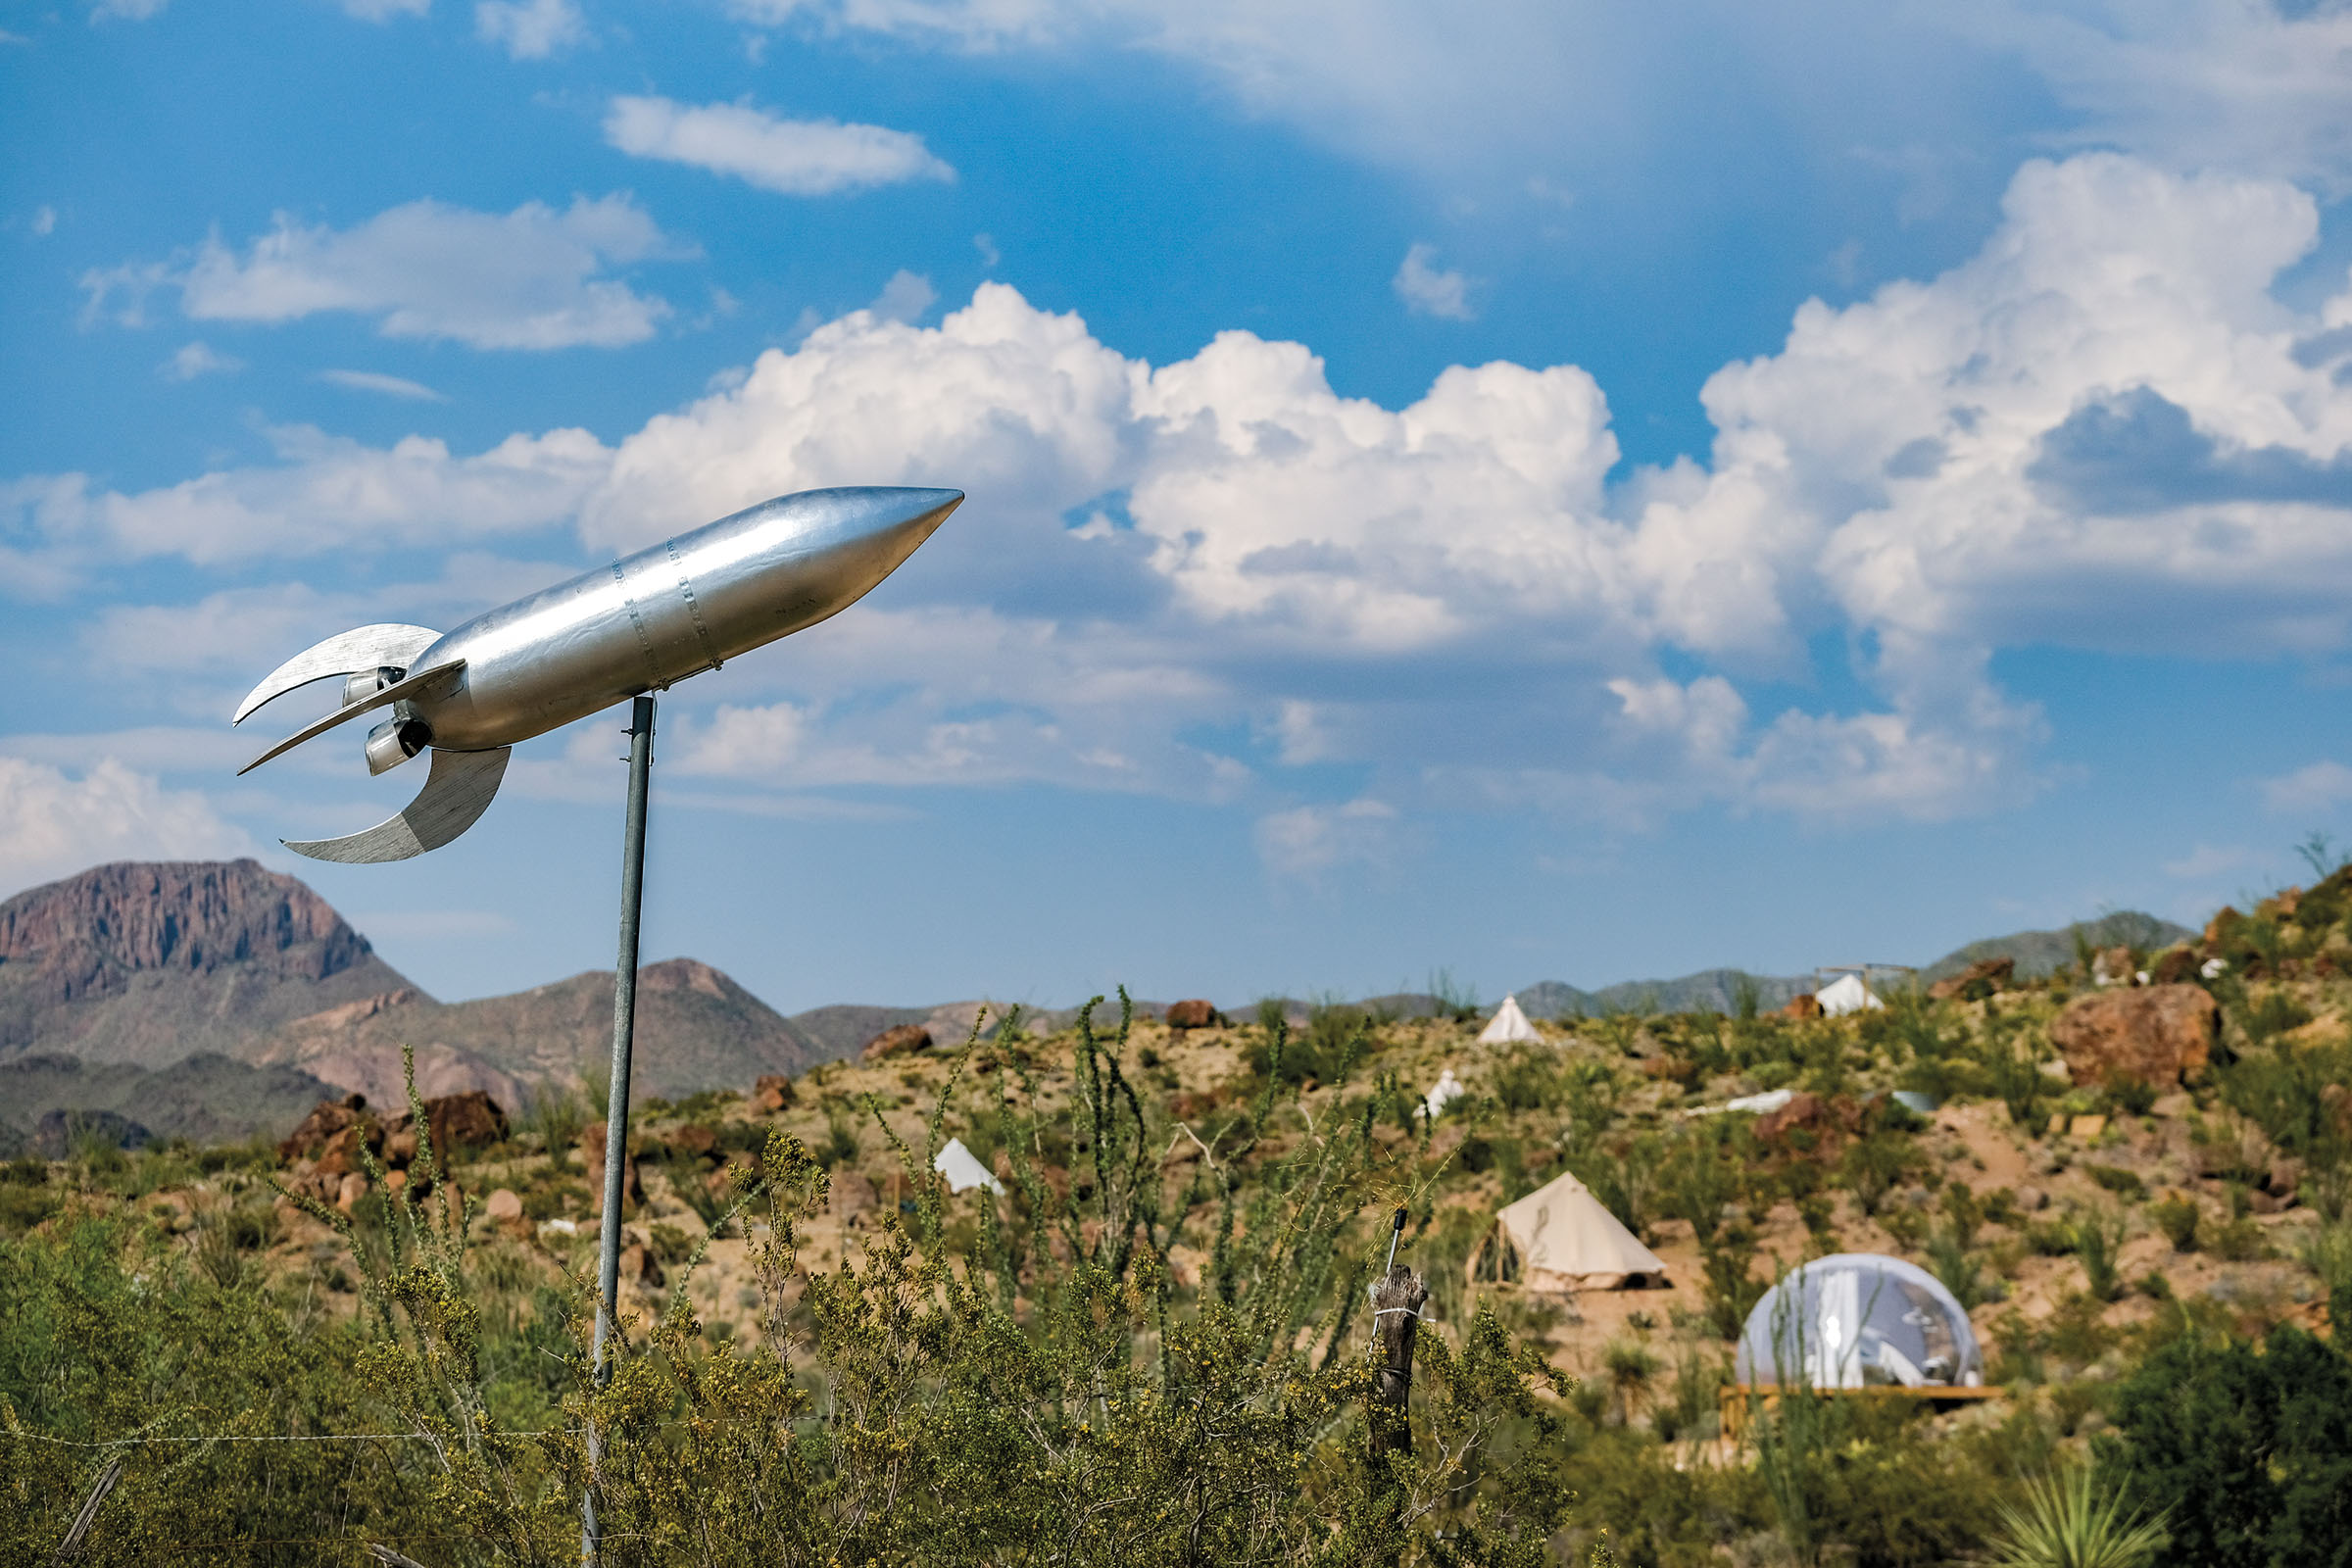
(694, 609)
(645, 644)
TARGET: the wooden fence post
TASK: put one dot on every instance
(1397, 1300)
(70, 1547)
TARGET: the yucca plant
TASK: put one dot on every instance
(2068, 1522)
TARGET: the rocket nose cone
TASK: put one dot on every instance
(917, 514)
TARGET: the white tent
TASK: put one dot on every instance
(1445, 1091)
(1559, 1238)
(1508, 1024)
(1845, 994)
(963, 1170)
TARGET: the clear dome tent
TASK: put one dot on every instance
(1857, 1319)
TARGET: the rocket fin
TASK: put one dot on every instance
(454, 798)
(424, 680)
(388, 646)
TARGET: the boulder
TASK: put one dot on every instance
(470, 1120)
(2111, 966)
(327, 1118)
(899, 1042)
(504, 1208)
(592, 1155)
(2154, 1035)
(2173, 967)
(637, 1265)
(695, 1141)
(1804, 1004)
(1977, 981)
(1803, 1110)
(772, 1093)
(1192, 1014)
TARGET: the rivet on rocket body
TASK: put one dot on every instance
(641, 624)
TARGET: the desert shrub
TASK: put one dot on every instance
(2246, 1450)
(2129, 1096)
(2284, 1093)
(2012, 1069)
(1962, 1272)
(2098, 1238)
(2117, 1180)
(2241, 1240)
(2178, 1218)
(1701, 1173)
(1527, 1078)
(1861, 1482)
(1728, 1284)
(1872, 1166)
(559, 1117)
(2327, 1252)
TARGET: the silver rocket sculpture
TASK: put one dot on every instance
(641, 624)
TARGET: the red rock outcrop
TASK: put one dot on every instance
(898, 1042)
(1804, 1004)
(2157, 1035)
(1980, 979)
(88, 934)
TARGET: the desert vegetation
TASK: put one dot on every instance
(1152, 1345)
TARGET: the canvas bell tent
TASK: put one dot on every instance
(1845, 994)
(1854, 1320)
(1559, 1238)
(1508, 1024)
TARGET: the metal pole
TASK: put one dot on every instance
(616, 1102)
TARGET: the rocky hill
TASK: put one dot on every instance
(2037, 952)
(218, 1000)
(147, 965)
(696, 1029)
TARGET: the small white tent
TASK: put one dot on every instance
(1445, 1091)
(1508, 1024)
(1559, 1238)
(963, 1170)
(1845, 994)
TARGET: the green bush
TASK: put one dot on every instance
(2179, 1218)
(2246, 1449)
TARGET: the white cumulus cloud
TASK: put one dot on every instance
(532, 278)
(53, 824)
(326, 494)
(792, 157)
(530, 30)
(1428, 289)
(198, 359)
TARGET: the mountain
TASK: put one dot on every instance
(206, 1099)
(2037, 952)
(217, 999)
(696, 1029)
(150, 963)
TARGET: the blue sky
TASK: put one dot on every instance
(1531, 490)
